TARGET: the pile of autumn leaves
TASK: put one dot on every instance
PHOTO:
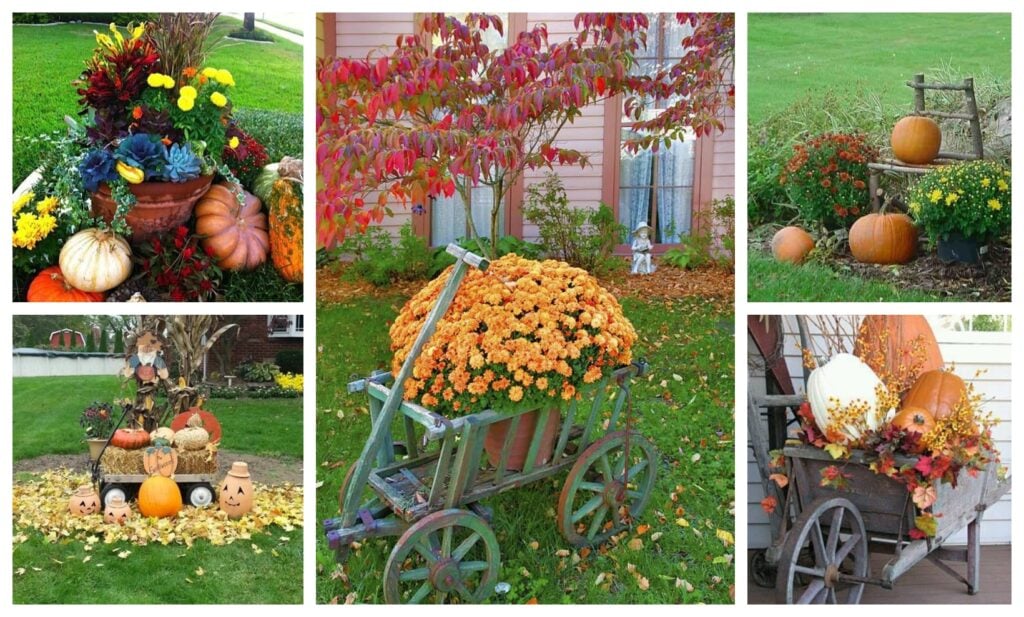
(42, 505)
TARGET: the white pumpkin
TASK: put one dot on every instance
(95, 260)
(164, 432)
(841, 383)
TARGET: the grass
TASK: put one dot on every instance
(772, 281)
(685, 407)
(46, 411)
(54, 573)
(47, 59)
(791, 55)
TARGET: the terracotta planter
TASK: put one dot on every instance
(520, 445)
(84, 501)
(236, 491)
(160, 206)
(95, 448)
(117, 511)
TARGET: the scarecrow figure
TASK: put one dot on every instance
(641, 247)
(145, 363)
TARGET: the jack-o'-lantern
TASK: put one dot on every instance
(117, 511)
(84, 501)
(236, 491)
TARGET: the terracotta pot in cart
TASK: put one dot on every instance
(520, 445)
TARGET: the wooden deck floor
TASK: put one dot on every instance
(926, 584)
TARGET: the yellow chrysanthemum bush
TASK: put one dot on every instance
(522, 335)
(972, 199)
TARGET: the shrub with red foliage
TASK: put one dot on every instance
(826, 177)
(177, 265)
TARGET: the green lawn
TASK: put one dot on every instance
(792, 55)
(772, 281)
(46, 411)
(685, 407)
(48, 58)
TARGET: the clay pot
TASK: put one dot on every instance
(236, 491)
(84, 501)
(95, 448)
(117, 511)
(160, 206)
(519, 448)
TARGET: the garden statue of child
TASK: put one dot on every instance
(641, 247)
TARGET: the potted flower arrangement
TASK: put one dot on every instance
(962, 207)
(98, 421)
(521, 336)
(156, 132)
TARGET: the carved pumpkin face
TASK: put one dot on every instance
(117, 511)
(84, 501)
(236, 491)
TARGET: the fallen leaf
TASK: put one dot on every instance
(643, 583)
(200, 571)
(725, 536)
(642, 529)
(656, 536)
(562, 552)
(635, 544)
(534, 545)
(682, 522)
(780, 479)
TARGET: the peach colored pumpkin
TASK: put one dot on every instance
(236, 491)
(84, 501)
(117, 511)
(791, 244)
(236, 235)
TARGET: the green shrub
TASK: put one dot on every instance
(120, 19)
(261, 372)
(972, 199)
(263, 284)
(289, 361)
(381, 261)
(251, 35)
(262, 392)
(711, 242)
(280, 132)
(578, 236)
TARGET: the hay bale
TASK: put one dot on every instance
(121, 461)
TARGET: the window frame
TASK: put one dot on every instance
(294, 330)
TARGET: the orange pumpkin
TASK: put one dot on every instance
(159, 496)
(236, 235)
(129, 438)
(883, 238)
(898, 346)
(50, 286)
(916, 140)
(791, 244)
(285, 209)
(914, 420)
(939, 392)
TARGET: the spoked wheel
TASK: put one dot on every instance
(598, 500)
(447, 556)
(825, 578)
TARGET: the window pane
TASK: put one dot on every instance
(634, 207)
(448, 216)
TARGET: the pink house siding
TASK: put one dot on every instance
(358, 34)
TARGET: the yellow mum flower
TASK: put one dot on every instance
(218, 99)
(1002, 185)
(155, 80)
(47, 205)
(188, 91)
(169, 82)
(210, 72)
(224, 77)
(951, 198)
(20, 202)
(186, 103)
(985, 182)
(915, 207)
(994, 204)
(31, 229)
(233, 142)
(935, 196)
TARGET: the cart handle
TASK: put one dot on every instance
(472, 259)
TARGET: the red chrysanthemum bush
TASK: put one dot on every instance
(521, 335)
(826, 178)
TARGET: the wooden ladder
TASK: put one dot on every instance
(919, 86)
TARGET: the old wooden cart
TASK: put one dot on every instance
(427, 489)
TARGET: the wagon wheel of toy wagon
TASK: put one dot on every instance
(834, 532)
(447, 556)
(603, 494)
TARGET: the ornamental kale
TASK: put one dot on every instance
(96, 167)
(181, 164)
(142, 151)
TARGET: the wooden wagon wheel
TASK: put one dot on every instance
(598, 500)
(451, 555)
(838, 563)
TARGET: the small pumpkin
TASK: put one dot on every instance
(210, 422)
(791, 244)
(285, 211)
(164, 432)
(117, 511)
(84, 501)
(160, 459)
(883, 238)
(939, 392)
(51, 286)
(95, 260)
(193, 436)
(130, 438)
(236, 235)
(912, 419)
(159, 496)
(916, 140)
(894, 344)
(844, 400)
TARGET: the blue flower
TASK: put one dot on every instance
(180, 163)
(143, 151)
(96, 167)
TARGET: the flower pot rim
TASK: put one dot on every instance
(104, 187)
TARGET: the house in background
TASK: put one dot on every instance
(672, 190)
(259, 338)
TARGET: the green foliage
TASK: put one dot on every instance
(251, 35)
(242, 392)
(263, 284)
(260, 372)
(92, 18)
(827, 178)
(712, 242)
(380, 261)
(289, 361)
(578, 236)
(972, 199)
(280, 132)
(441, 259)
